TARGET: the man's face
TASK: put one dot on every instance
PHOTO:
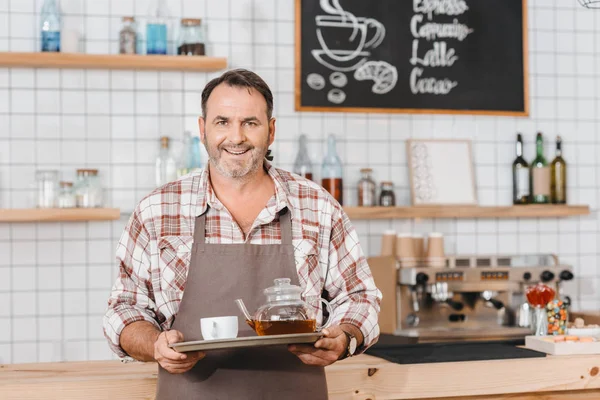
(236, 131)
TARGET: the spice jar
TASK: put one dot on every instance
(387, 198)
(191, 38)
(127, 37)
(66, 196)
(88, 191)
(366, 189)
(47, 188)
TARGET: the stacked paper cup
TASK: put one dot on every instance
(435, 256)
(405, 250)
(388, 243)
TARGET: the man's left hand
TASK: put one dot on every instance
(325, 351)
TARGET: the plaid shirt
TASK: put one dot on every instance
(155, 249)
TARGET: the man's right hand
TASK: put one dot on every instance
(169, 359)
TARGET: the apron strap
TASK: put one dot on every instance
(285, 225)
(200, 230)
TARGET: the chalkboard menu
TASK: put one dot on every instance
(413, 56)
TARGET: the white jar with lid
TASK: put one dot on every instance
(66, 196)
(88, 190)
(47, 188)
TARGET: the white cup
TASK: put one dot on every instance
(70, 41)
(219, 328)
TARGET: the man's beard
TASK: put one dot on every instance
(234, 169)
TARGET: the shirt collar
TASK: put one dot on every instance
(207, 196)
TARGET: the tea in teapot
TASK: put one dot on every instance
(285, 312)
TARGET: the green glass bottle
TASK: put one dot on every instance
(520, 170)
(540, 174)
(558, 176)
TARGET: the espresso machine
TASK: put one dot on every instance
(470, 298)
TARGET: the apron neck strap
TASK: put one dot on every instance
(285, 225)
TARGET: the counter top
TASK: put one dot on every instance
(359, 378)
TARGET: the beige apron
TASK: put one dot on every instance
(219, 274)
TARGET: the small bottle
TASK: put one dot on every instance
(156, 29)
(558, 176)
(191, 38)
(195, 161)
(331, 172)
(127, 37)
(166, 167)
(183, 160)
(387, 198)
(66, 196)
(520, 171)
(366, 189)
(540, 175)
(50, 26)
(302, 165)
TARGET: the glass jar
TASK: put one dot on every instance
(47, 188)
(66, 196)
(387, 198)
(127, 37)
(191, 38)
(88, 190)
(366, 189)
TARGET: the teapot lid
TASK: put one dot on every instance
(283, 290)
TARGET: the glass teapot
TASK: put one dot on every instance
(285, 311)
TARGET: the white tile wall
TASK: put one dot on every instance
(56, 277)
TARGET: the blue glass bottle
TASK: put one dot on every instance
(195, 162)
(156, 29)
(50, 26)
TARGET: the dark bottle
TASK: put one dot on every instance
(387, 198)
(520, 171)
(558, 176)
(540, 174)
(331, 172)
(302, 164)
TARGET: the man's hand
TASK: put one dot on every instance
(169, 359)
(325, 351)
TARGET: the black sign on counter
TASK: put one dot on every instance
(412, 56)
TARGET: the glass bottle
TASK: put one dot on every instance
(66, 196)
(166, 167)
(540, 175)
(127, 37)
(331, 172)
(520, 172)
(366, 189)
(50, 26)
(191, 38)
(558, 176)
(195, 161)
(302, 164)
(183, 160)
(387, 197)
(47, 188)
(88, 190)
(156, 29)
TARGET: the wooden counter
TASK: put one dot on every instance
(360, 378)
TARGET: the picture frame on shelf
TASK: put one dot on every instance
(441, 172)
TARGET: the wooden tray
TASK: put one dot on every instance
(561, 348)
(252, 341)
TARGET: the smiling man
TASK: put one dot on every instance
(195, 245)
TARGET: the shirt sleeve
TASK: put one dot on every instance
(354, 297)
(131, 298)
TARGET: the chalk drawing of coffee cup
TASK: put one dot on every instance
(344, 37)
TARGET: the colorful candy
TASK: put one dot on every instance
(557, 317)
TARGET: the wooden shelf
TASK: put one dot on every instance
(112, 61)
(58, 214)
(526, 211)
